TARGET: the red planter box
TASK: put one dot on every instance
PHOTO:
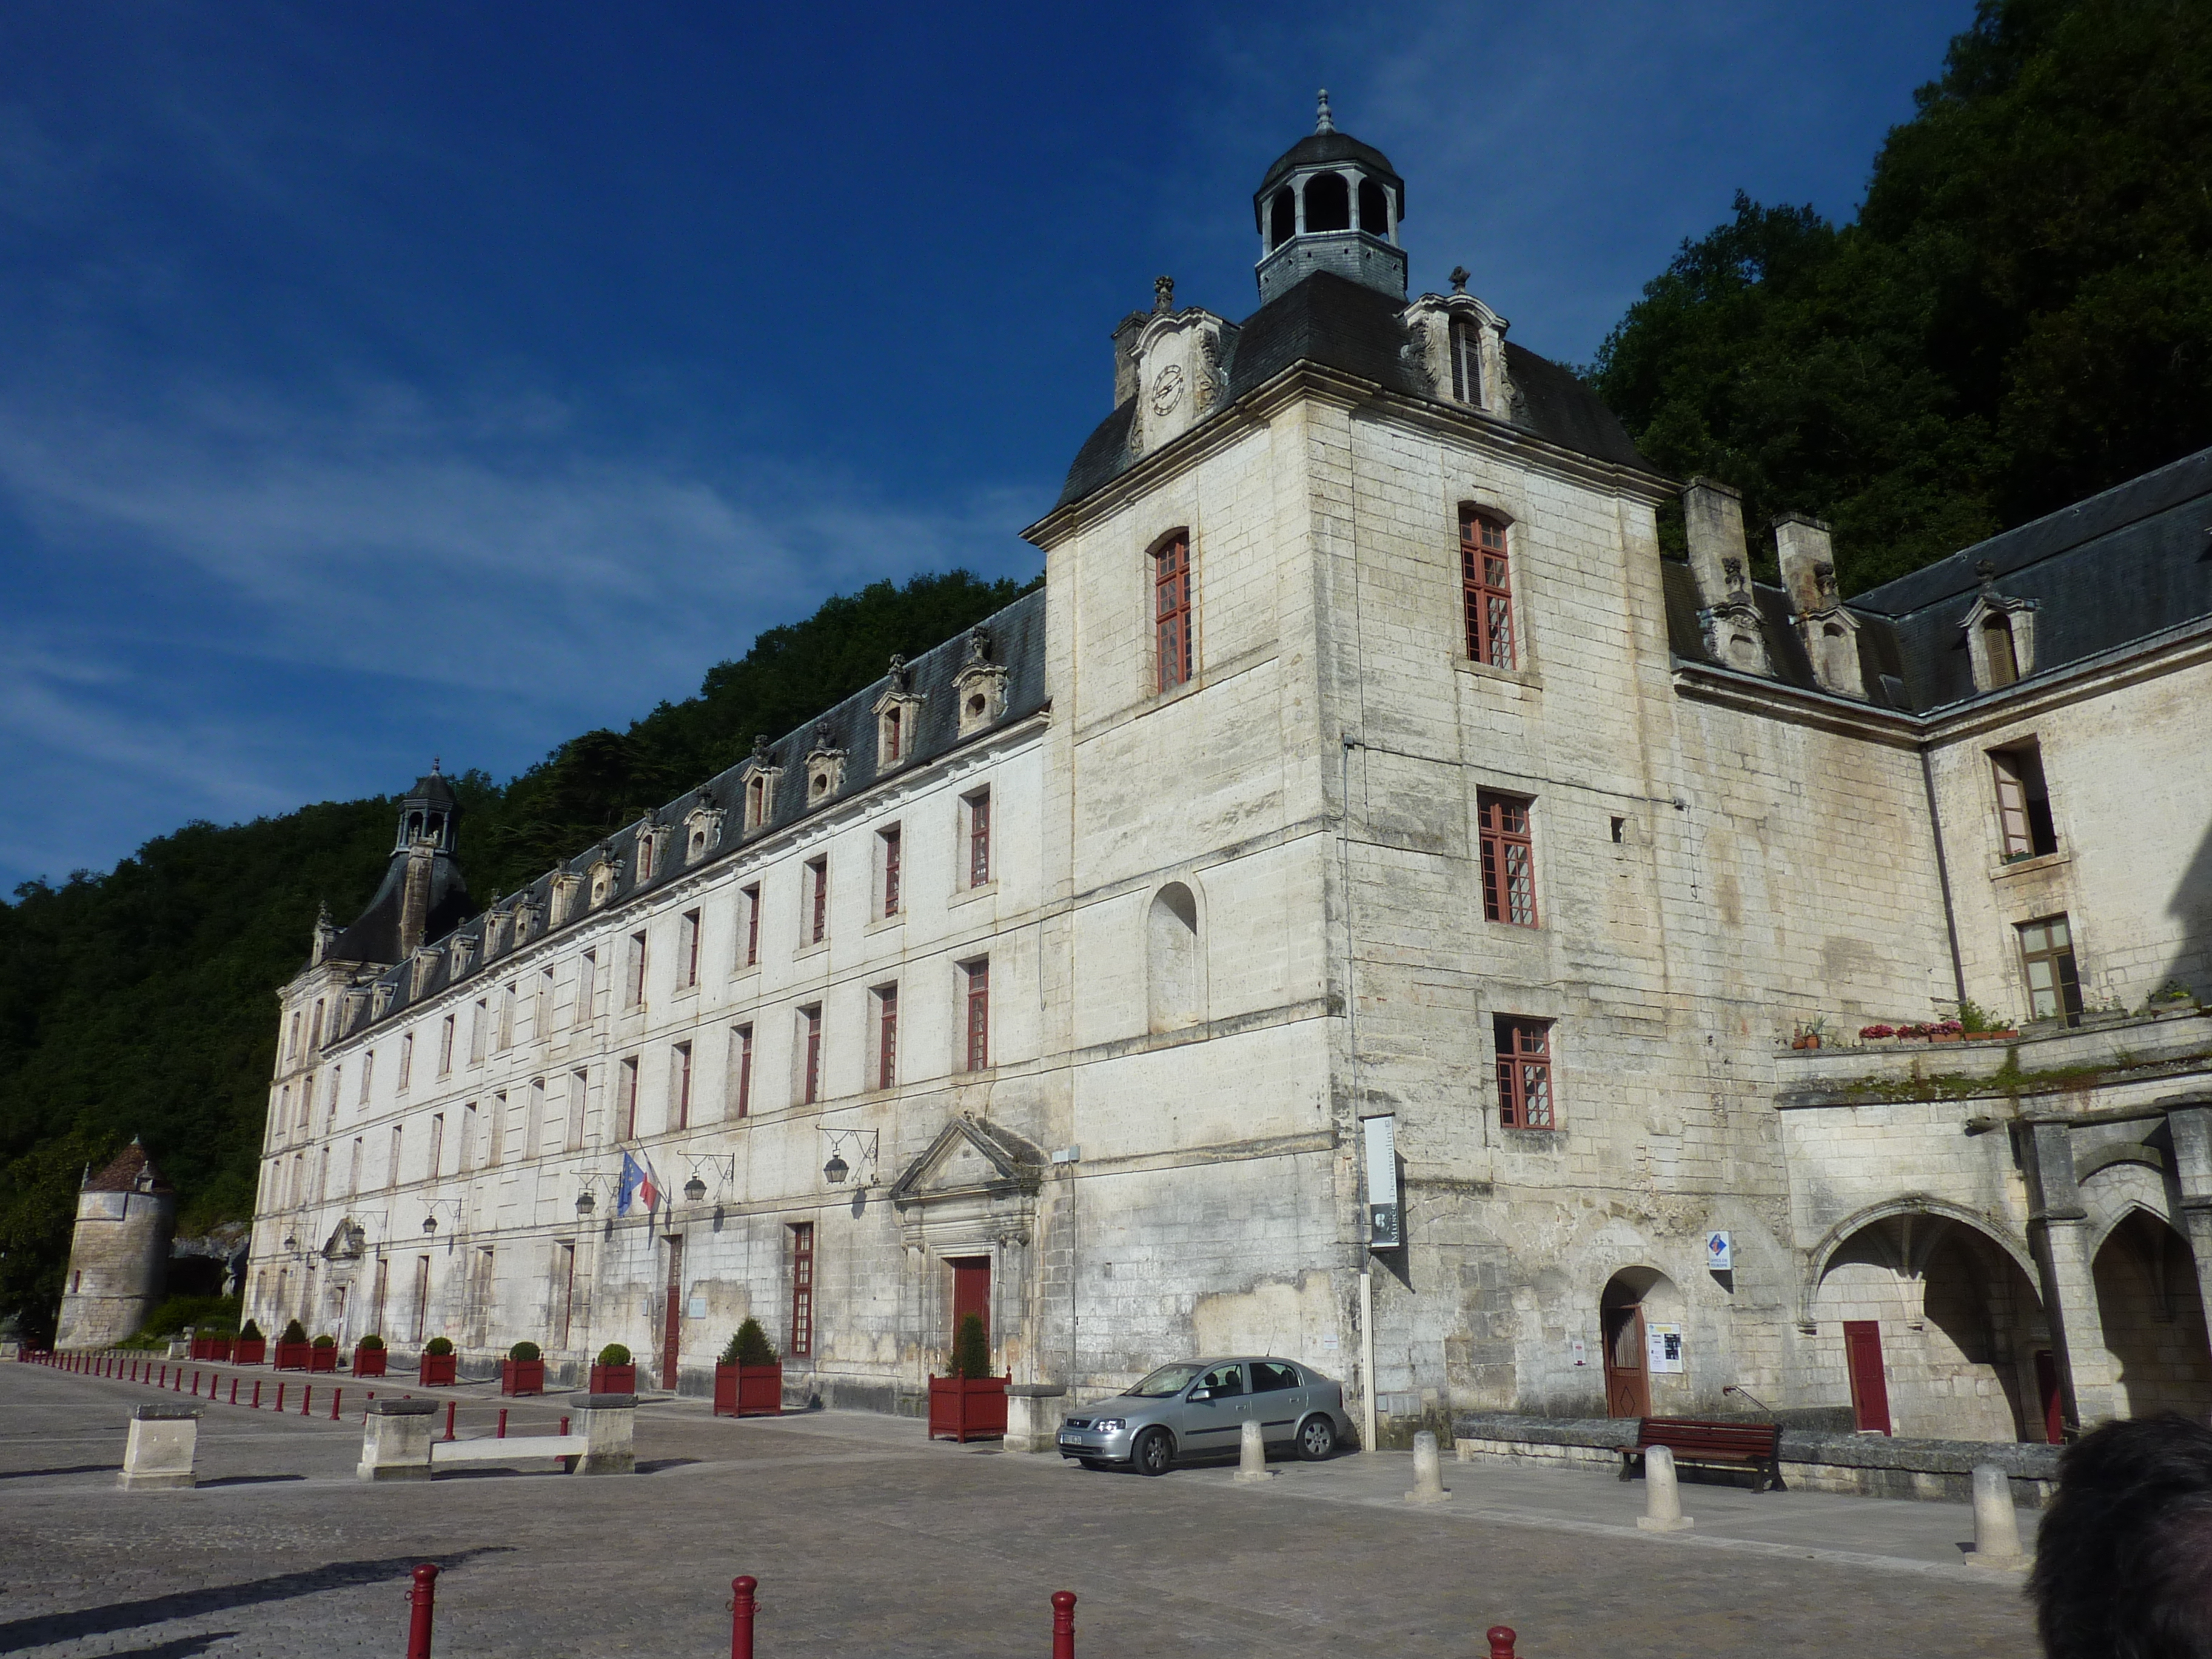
(369, 1362)
(250, 1351)
(322, 1359)
(749, 1391)
(295, 1356)
(437, 1370)
(967, 1407)
(614, 1379)
(521, 1377)
(213, 1347)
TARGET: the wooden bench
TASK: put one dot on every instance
(1732, 1445)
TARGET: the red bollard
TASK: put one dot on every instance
(1063, 1625)
(196, 1385)
(449, 1418)
(164, 1383)
(1501, 1641)
(502, 1435)
(743, 1607)
(306, 1397)
(257, 1393)
(336, 1395)
(234, 1391)
(564, 1425)
(422, 1598)
(178, 1386)
(280, 1396)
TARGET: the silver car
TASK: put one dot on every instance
(1195, 1407)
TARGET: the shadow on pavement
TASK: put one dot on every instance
(156, 1609)
(74, 1468)
(183, 1647)
(248, 1480)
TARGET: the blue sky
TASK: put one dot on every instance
(384, 380)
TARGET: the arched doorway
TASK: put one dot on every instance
(1926, 1327)
(2153, 1318)
(1640, 1321)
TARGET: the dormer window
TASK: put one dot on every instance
(755, 803)
(1466, 362)
(1999, 652)
(759, 778)
(703, 831)
(2000, 634)
(981, 684)
(646, 849)
(890, 740)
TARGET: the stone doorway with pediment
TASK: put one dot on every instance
(967, 1209)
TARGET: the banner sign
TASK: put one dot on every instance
(1385, 1218)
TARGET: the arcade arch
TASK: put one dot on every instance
(2153, 1317)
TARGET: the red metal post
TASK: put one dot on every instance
(449, 1418)
(178, 1386)
(502, 1435)
(257, 1393)
(564, 1425)
(743, 1607)
(280, 1396)
(422, 1599)
(1501, 1641)
(306, 1397)
(1063, 1625)
(164, 1383)
(234, 1391)
(336, 1395)
(196, 1385)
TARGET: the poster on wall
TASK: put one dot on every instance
(1720, 1252)
(1664, 1343)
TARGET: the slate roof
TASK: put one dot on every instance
(1339, 323)
(2103, 573)
(124, 1172)
(1320, 149)
(373, 935)
(1017, 643)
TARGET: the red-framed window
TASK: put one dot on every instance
(979, 838)
(741, 1043)
(1486, 582)
(890, 838)
(1171, 610)
(690, 957)
(750, 897)
(810, 1062)
(892, 736)
(817, 900)
(679, 1088)
(1524, 1073)
(1508, 866)
(802, 1289)
(626, 1098)
(978, 999)
(887, 1037)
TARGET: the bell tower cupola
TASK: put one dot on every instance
(1331, 204)
(428, 814)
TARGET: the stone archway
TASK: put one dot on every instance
(2153, 1318)
(1645, 1373)
(1925, 1325)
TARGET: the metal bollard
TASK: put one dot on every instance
(257, 1393)
(450, 1404)
(423, 1599)
(743, 1607)
(501, 1434)
(280, 1396)
(196, 1385)
(1063, 1625)
(336, 1395)
(564, 1425)
(306, 1397)
(1501, 1641)
(234, 1391)
(164, 1383)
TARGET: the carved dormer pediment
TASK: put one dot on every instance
(566, 885)
(898, 717)
(756, 780)
(605, 875)
(1458, 343)
(1998, 632)
(1176, 363)
(703, 831)
(825, 767)
(981, 684)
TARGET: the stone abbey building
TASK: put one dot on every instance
(1368, 906)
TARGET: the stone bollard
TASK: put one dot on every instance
(1663, 1500)
(1428, 1472)
(1996, 1524)
(395, 1440)
(1252, 1456)
(160, 1451)
(608, 1422)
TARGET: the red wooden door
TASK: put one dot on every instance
(1869, 1387)
(1628, 1378)
(971, 1292)
(2047, 1394)
(671, 1325)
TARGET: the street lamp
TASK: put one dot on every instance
(586, 1203)
(835, 1169)
(695, 1190)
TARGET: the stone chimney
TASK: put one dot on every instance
(1808, 563)
(1713, 514)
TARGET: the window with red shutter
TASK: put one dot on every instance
(978, 807)
(1524, 1073)
(1509, 871)
(741, 1059)
(979, 1015)
(1171, 611)
(810, 1060)
(802, 1289)
(887, 1037)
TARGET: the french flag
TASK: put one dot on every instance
(638, 1181)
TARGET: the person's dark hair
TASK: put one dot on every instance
(2124, 1557)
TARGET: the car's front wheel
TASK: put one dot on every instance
(1153, 1453)
(1317, 1439)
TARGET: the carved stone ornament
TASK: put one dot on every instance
(1732, 569)
(703, 831)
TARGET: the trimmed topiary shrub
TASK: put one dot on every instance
(252, 1333)
(326, 1342)
(614, 1354)
(371, 1342)
(440, 1345)
(750, 1346)
(524, 1351)
(971, 1349)
(294, 1332)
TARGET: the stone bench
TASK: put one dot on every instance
(399, 1440)
(508, 1448)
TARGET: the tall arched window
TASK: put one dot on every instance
(1328, 203)
(1374, 208)
(1282, 217)
(1171, 619)
(1174, 974)
(1486, 588)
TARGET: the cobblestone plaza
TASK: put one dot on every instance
(868, 1539)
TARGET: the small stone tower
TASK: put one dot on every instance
(1330, 203)
(119, 1262)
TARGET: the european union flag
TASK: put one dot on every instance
(633, 1177)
